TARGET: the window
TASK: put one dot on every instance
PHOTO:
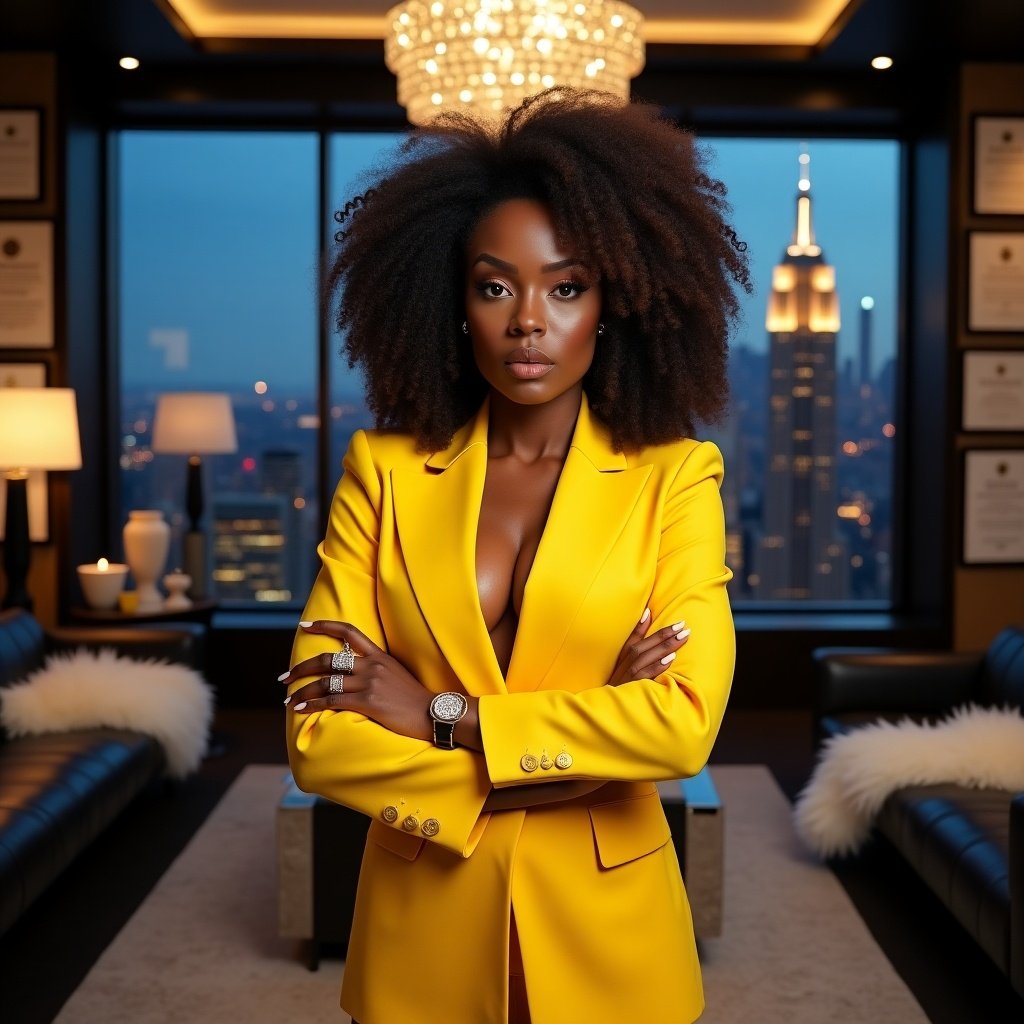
(810, 441)
(217, 264)
(219, 236)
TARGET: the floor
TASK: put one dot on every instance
(45, 956)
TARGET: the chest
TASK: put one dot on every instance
(514, 510)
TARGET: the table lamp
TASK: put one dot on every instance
(38, 430)
(194, 423)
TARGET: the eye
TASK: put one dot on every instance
(569, 289)
(492, 289)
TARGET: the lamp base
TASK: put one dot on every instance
(17, 545)
(195, 563)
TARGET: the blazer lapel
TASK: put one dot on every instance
(595, 496)
(437, 511)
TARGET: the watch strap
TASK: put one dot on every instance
(444, 735)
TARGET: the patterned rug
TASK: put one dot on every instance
(203, 947)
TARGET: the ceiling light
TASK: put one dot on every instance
(881, 63)
(129, 63)
(498, 52)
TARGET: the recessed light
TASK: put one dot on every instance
(129, 63)
(881, 63)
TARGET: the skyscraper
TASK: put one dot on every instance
(800, 555)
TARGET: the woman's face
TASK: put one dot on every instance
(532, 306)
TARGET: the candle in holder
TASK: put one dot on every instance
(102, 583)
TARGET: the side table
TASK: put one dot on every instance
(201, 611)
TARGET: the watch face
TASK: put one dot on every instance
(448, 707)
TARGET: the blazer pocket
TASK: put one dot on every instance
(627, 829)
(404, 844)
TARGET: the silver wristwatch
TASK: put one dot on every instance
(445, 710)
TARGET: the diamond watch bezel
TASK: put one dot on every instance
(437, 711)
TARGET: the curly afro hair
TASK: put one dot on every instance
(625, 187)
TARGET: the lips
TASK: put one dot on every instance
(528, 363)
(528, 356)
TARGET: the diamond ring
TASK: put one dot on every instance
(336, 684)
(343, 661)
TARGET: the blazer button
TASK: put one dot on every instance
(411, 823)
(528, 763)
(563, 761)
(546, 762)
(430, 827)
(390, 814)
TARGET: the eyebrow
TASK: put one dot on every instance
(511, 268)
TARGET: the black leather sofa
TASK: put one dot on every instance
(966, 844)
(60, 790)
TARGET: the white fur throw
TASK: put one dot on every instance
(86, 690)
(974, 746)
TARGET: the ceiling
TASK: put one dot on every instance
(803, 23)
(830, 34)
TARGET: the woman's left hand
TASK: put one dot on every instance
(379, 686)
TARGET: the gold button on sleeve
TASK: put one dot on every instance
(411, 823)
(563, 761)
(390, 814)
(546, 762)
(430, 827)
(528, 763)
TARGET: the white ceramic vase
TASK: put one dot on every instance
(147, 541)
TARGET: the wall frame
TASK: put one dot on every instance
(21, 154)
(997, 164)
(993, 390)
(995, 282)
(993, 509)
(28, 375)
(26, 284)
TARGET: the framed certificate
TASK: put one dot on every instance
(20, 154)
(993, 391)
(998, 164)
(995, 298)
(28, 375)
(994, 507)
(26, 284)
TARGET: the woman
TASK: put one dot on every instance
(540, 314)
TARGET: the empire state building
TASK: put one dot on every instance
(799, 555)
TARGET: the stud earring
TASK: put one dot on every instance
(465, 327)
(600, 330)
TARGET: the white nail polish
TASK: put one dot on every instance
(299, 707)
(676, 626)
(285, 701)
(283, 676)
(305, 625)
(646, 615)
(668, 658)
(683, 634)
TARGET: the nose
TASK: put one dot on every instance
(527, 318)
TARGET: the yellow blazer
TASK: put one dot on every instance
(600, 908)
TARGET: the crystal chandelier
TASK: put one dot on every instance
(483, 57)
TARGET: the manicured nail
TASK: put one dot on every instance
(283, 676)
(678, 626)
(305, 625)
(646, 615)
(285, 701)
(299, 707)
(664, 661)
(683, 634)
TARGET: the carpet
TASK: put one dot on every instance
(203, 947)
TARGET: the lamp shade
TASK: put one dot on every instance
(39, 429)
(194, 423)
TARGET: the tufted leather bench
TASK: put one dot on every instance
(966, 844)
(60, 790)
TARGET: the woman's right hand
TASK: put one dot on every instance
(642, 656)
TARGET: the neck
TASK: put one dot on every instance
(531, 432)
